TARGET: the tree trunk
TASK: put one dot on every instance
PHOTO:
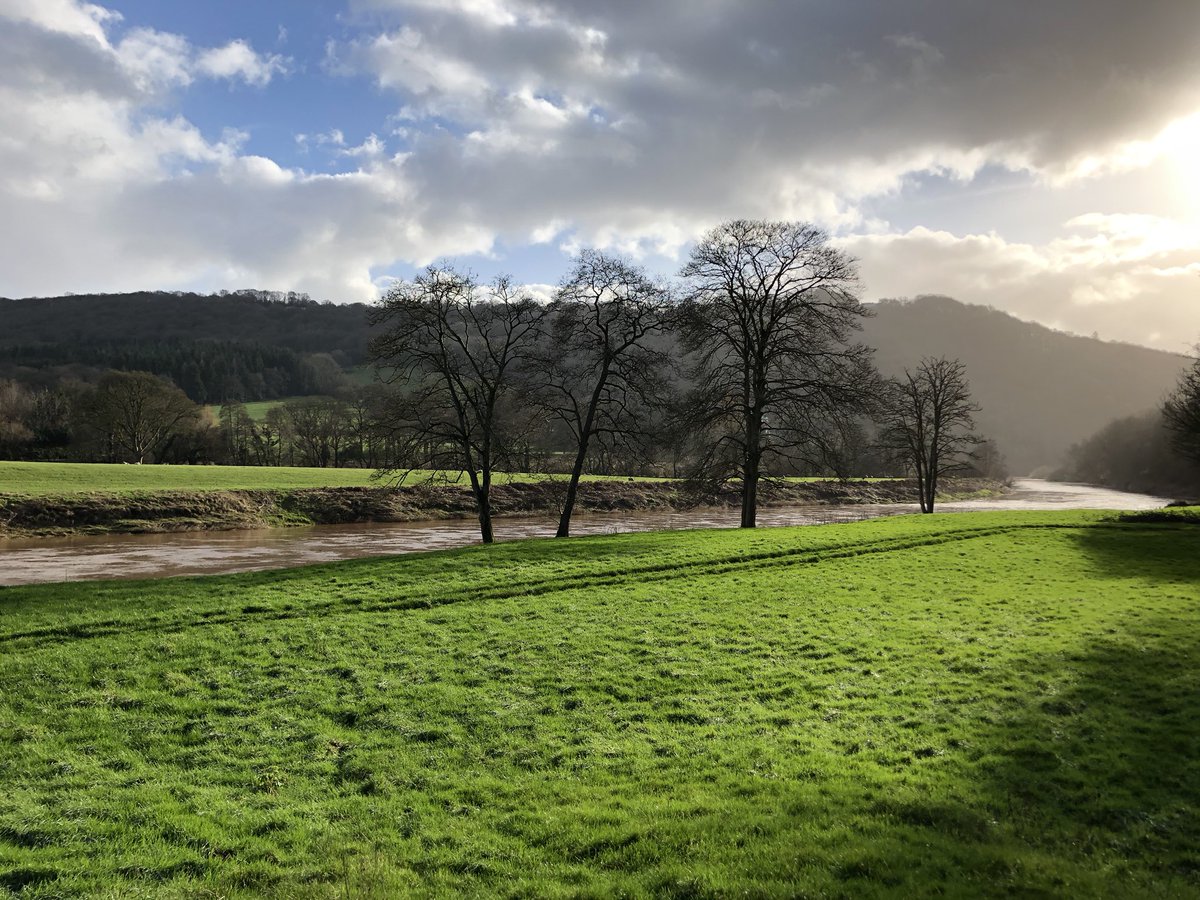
(564, 520)
(750, 467)
(485, 517)
(481, 487)
(585, 436)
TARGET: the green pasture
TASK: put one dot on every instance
(60, 479)
(258, 409)
(986, 704)
(56, 479)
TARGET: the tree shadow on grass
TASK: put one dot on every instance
(1102, 757)
(1159, 551)
(1104, 761)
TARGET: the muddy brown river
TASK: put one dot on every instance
(37, 560)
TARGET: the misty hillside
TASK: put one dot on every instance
(1041, 390)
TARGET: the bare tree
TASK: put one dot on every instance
(838, 443)
(319, 427)
(598, 373)
(16, 403)
(136, 413)
(237, 429)
(929, 423)
(364, 404)
(452, 348)
(771, 309)
(1181, 412)
(273, 437)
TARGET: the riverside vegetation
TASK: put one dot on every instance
(94, 498)
(968, 704)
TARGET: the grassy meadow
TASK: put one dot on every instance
(40, 479)
(258, 409)
(963, 705)
(62, 479)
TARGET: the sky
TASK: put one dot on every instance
(1041, 158)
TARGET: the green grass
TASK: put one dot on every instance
(258, 409)
(963, 705)
(46, 479)
(60, 479)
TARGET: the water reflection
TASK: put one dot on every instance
(211, 552)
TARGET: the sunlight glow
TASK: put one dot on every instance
(1180, 145)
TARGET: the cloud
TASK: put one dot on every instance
(155, 60)
(673, 118)
(238, 60)
(63, 16)
(1124, 277)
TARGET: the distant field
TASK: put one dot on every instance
(258, 409)
(989, 704)
(53, 479)
(74, 478)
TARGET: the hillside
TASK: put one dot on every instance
(1041, 390)
(248, 345)
(294, 322)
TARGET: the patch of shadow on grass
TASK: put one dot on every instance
(1108, 768)
(22, 877)
(1162, 552)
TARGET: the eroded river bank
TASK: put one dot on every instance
(223, 510)
(37, 560)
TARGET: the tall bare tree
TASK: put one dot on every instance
(452, 348)
(770, 313)
(237, 429)
(136, 413)
(598, 373)
(319, 427)
(1181, 412)
(929, 423)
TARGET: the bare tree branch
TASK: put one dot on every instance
(769, 318)
(929, 423)
(452, 349)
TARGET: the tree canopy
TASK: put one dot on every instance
(770, 314)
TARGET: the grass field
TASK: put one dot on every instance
(58, 479)
(965, 705)
(45, 479)
(258, 409)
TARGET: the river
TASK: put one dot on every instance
(38, 560)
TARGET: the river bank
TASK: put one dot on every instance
(175, 511)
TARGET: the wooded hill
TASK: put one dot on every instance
(243, 346)
(1040, 390)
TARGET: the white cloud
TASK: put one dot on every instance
(238, 60)
(1125, 277)
(674, 118)
(155, 60)
(64, 16)
(406, 60)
